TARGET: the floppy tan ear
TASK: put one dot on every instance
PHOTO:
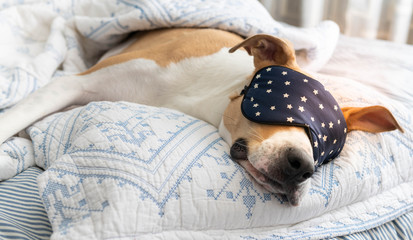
(266, 48)
(372, 119)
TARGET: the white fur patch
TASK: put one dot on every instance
(196, 86)
(202, 85)
(224, 133)
(277, 143)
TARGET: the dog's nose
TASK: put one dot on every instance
(299, 167)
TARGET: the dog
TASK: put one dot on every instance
(202, 72)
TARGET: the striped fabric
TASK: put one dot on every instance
(400, 228)
(22, 214)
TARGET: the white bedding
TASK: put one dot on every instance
(122, 170)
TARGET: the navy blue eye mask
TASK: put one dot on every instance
(281, 96)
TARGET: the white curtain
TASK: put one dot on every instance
(383, 19)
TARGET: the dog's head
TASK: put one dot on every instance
(282, 156)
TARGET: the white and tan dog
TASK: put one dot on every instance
(192, 71)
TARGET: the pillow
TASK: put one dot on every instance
(123, 170)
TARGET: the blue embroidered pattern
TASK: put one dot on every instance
(246, 191)
(144, 141)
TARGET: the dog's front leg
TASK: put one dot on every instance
(132, 81)
(60, 93)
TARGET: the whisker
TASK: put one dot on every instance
(256, 134)
(228, 117)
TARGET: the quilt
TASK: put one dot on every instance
(118, 170)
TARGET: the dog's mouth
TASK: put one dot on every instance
(292, 190)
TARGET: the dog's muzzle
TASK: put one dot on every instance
(281, 96)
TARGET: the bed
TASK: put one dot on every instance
(119, 170)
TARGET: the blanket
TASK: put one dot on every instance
(42, 39)
(123, 171)
(46, 39)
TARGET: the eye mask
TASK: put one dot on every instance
(281, 96)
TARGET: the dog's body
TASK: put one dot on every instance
(191, 70)
(177, 68)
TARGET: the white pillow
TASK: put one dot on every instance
(122, 170)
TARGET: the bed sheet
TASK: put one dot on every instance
(400, 228)
(22, 214)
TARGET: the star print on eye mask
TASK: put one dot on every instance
(281, 96)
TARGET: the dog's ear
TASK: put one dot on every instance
(372, 119)
(266, 48)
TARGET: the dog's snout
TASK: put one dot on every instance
(299, 167)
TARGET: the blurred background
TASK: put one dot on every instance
(382, 19)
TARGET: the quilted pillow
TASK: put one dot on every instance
(119, 169)
(123, 170)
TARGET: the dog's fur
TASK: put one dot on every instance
(192, 71)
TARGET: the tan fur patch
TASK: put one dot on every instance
(239, 126)
(167, 46)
